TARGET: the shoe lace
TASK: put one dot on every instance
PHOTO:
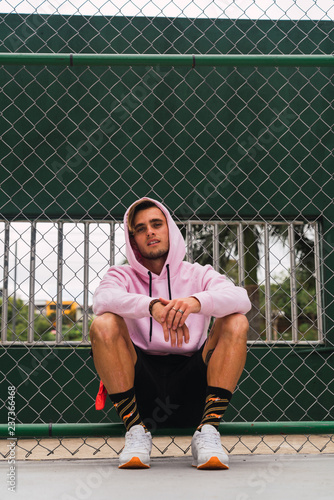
(137, 440)
(208, 440)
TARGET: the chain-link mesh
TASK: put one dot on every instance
(241, 156)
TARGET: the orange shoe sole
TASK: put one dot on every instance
(213, 464)
(134, 463)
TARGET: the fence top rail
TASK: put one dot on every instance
(192, 222)
(117, 429)
(190, 60)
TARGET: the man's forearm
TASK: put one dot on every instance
(117, 301)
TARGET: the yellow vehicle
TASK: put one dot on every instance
(69, 309)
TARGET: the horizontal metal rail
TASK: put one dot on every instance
(81, 343)
(118, 429)
(189, 60)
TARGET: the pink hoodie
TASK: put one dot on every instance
(127, 290)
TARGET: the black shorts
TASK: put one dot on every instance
(171, 389)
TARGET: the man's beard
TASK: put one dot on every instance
(155, 255)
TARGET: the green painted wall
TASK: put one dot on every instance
(74, 137)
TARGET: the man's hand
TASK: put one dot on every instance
(172, 314)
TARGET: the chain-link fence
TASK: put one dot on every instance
(241, 154)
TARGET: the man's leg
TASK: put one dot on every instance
(224, 354)
(115, 358)
(113, 352)
(225, 351)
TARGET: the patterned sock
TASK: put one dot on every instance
(126, 406)
(216, 402)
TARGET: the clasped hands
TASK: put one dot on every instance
(172, 315)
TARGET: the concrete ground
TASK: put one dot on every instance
(267, 477)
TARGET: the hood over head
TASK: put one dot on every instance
(177, 247)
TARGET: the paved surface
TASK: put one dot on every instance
(288, 477)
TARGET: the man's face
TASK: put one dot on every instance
(151, 233)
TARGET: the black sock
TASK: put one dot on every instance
(216, 402)
(126, 406)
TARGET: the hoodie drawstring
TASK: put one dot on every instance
(168, 278)
(150, 293)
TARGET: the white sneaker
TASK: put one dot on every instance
(137, 450)
(207, 450)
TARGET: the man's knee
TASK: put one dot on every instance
(235, 326)
(106, 328)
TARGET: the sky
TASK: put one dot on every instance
(46, 258)
(218, 9)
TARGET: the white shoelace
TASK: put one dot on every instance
(137, 440)
(209, 440)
